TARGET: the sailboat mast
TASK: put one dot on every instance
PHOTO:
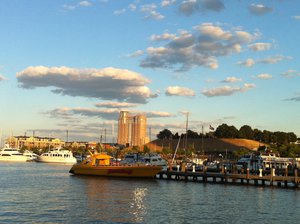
(186, 131)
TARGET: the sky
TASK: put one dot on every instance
(73, 65)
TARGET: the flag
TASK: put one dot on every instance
(211, 127)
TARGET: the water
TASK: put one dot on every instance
(47, 193)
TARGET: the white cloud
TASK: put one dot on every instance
(132, 7)
(79, 4)
(111, 104)
(165, 3)
(232, 79)
(259, 9)
(107, 83)
(150, 12)
(264, 76)
(226, 90)
(68, 113)
(185, 50)
(296, 17)
(136, 54)
(179, 91)
(157, 114)
(260, 46)
(2, 78)
(164, 36)
(189, 7)
(119, 12)
(248, 63)
(85, 3)
(274, 59)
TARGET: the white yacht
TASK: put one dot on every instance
(30, 155)
(12, 154)
(57, 156)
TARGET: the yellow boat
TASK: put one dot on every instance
(100, 165)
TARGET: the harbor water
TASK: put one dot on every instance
(47, 193)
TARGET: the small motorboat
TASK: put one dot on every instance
(102, 165)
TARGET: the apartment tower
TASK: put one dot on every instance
(132, 129)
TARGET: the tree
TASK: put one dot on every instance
(192, 134)
(225, 131)
(165, 134)
(246, 132)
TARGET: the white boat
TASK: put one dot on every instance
(30, 155)
(155, 159)
(12, 154)
(57, 156)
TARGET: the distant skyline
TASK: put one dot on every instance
(74, 65)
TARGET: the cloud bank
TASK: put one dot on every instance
(108, 83)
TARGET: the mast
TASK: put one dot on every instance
(186, 130)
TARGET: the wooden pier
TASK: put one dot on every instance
(224, 177)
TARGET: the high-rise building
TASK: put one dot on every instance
(132, 129)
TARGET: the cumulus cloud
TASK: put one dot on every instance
(226, 90)
(107, 83)
(259, 9)
(260, 46)
(179, 91)
(248, 63)
(264, 76)
(290, 73)
(189, 7)
(111, 104)
(150, 12)
(232, 79)
(201, 48)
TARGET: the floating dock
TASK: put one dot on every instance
(223, 177)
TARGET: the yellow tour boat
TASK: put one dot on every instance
(101, 165)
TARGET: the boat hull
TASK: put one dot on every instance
(48, 159)
(14, 158)
(116, 171)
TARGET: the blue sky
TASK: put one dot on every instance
(73, 65)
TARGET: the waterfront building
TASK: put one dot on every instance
(132, 129)
(31, 142)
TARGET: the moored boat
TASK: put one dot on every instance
(12, 155)
(100, 165)
(57, 156)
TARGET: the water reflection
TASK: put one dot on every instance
(115, 199)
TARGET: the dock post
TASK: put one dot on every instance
(272, 174)
(260, 172)
(248, 175)
(296, 177)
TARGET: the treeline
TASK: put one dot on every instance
(226, 131)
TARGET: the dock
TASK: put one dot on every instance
(272, 179)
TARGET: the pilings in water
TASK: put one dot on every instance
(225, 177)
